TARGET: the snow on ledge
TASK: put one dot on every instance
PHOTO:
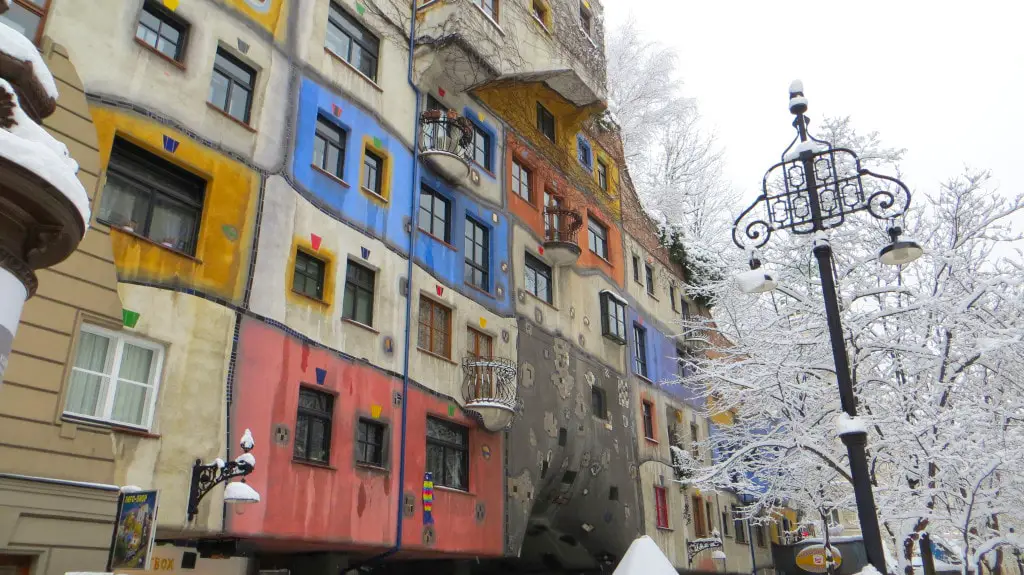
(17, 46)
(41, 160)
(846, 425)
(808, 146)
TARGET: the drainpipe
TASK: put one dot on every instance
(413, 205)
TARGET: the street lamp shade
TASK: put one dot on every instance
(240, 492)
(755, 281)
(899, 252)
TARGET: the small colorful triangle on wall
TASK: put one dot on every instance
(375, 411)
(365, 253)
(440, 92)
(170, 144)
(360, 8)
(481, 117)
(321, 374)
(336, 110)
(377, 143)
(171, 5)
(483, 322)
(315, 240)
(440, 291)
(451, 410)
(540, 250)
(130, 318)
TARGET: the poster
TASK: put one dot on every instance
(134, 529)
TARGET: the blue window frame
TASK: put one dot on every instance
(584, 153)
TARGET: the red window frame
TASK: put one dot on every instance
(661, 507)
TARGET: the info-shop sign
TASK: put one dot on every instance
(812, 559)
(132, 543)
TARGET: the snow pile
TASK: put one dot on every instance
(247, 458)
(808, 146)
(238, 492)
(796, 86)
(755, 281)
(644, 558)
(17, 46)
(868, 569)
(247, 441)
(846, 425)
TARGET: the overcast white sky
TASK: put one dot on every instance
(943, 79)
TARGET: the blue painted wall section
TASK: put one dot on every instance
(383, 220)
(662, 367)
(492, 133)
(448, 261)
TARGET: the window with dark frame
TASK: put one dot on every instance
(597, 402)
(538, 278)
(352, 42)
(162, 30)
(660, 507)
(695, 441)
(329, 148)
(373, 168)
(672, 296)
(521, 181)
(649, 275)
(636, 268)
(586, 20)
(602, 175)
(545, 122)
(308, 278)
(479, 345)
(613, 318)
(481, 147)
(435, 328)
(759, 536)
(725, 524)
(684, 362)
(640, 351)
(477, 249)
(490, 7)
(359, 288)
(150, 197)
(647, 410)
(699, 525)
(26, 17)
(540, 12)
(709, 516)
(231, 86)
(313, 426)
(598, 237)
(435, 214)
(740, 526)
(370, 442)
(584, 154)
(448, 453)
(674, 416)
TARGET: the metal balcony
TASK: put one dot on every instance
(445, 142)
(561, 227)
(489, 388)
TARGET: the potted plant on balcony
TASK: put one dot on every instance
(431, 115)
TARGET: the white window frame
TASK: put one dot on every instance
(156, 371)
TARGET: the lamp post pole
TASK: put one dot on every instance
(815, 187)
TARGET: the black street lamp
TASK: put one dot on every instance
(205, 477)
(813, 189)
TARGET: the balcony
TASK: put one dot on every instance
(445, 141)
(561, 227)
(489, 388)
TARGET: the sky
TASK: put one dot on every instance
(945, 80)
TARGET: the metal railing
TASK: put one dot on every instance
(446, 132)
(561, 225)
(489, 380)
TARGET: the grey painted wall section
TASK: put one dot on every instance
(568, 467)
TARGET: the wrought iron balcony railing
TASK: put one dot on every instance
(489, 381)
(446, 133)
(561, 225)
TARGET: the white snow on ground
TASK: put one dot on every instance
(17, 46)
(846, 425)
(644, 558)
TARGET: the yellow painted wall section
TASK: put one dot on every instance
(223, 251)
(516, 103)
(266, 13)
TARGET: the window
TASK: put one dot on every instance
(585, 19)
(545, 122)
(308, 278)
(636, 268)
(359, 284)
(597, 402)
(759, 536)
(481, 148)
(329, 148)
(161, 30)
(649, 274)
(672, 296)
(26, 17)
(725, 524)
(709, 516)
(661, 507)
(540, 12)
(479, 345)
(370, 443)
(150, 197)
(699, 525)
(313, 426)
(602, 175)
(695, 441)
(115, 378)
(521, 181)
(640, 351)
(352, 42)
(553, 230)
(685, 364)
(232, 86)
(490, 7)
(435, 214)
(583, 152)
(538, 278)
(613, 317)
(740, 526)
(435, 327)
(647, 409)
(598, 237)
(448, 453)
(373, 167)
(477, 256)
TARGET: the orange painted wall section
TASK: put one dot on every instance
(225, 231)
(343, 505)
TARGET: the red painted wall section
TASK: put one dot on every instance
(345, 506)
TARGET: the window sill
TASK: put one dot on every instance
(539, 300)
(150, 241)
(454, 490)
(667, 529)
(489, 18)
(436, 355)
(334, 178)
(312, 299)
(478, 289)
(373, 194)
(165, 57)
(109, 425)
(428, 4)
(644, 378)
(360, 325)
(437, 239)
(651, 440)
(484, 169)
(613, 339)
(372, 468)
(232, 118)
(314, 464)
(541, 23)
(359, 72)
